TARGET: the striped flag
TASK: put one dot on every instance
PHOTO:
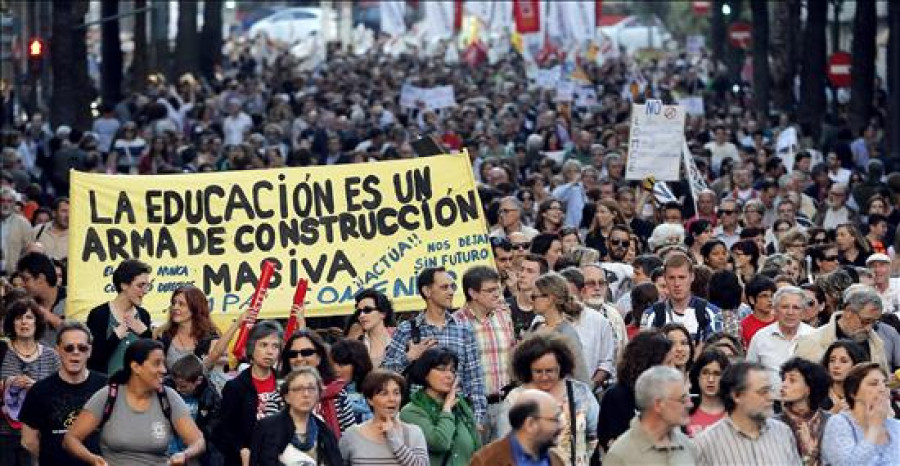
(694, 176)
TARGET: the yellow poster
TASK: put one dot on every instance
(344, 228)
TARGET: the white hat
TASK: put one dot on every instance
(878, 257)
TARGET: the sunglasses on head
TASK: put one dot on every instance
(367, 309)
(72, 347)
(305, 352)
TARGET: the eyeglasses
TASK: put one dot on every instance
(72, 347)
(305, 352)
(619, 242)
(506, 211)
(367, 309)
(521, 246)
(537, 372)
(594, 283)
(683, 399)
(304, 389)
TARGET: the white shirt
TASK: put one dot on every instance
(890, 300)
(597, 340)
(235, 126)
(720, 153)
(771, 348)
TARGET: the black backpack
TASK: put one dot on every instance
(659, 317)
(111, 403)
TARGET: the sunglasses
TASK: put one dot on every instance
(367, 310)
(726, 212)
(618, 242)
(521, 246)
(71, 348)
(306, 352)
(830, 258)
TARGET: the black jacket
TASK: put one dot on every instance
(104, 345)
(273, 434)
(209, 407)
(238, 420)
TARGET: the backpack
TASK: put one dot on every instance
(659, 317)
(114, 394)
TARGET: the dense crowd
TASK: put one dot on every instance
(753, 322)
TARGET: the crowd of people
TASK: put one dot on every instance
(753, 322)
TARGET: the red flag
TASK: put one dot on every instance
(527, 14)
(457, 15)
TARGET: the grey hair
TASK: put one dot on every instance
(571, 165)
(515, 201)
(786, 291)
(261, 330)
(73, 326)
(651, 385)
(534, 142)
(858, 296)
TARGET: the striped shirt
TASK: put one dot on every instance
(496, 338)
(457, 337)
(407, 448)
(723, 444)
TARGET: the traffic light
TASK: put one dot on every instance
(36, 56)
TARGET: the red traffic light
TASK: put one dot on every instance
(36, 48)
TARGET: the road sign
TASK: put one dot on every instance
(739, 34)
(839, 69)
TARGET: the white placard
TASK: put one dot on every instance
(585, 96)
(656, 141)
(693, 105)
(565, 91)
(547, 78)
(433, 97)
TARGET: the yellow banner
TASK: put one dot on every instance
(343, 228)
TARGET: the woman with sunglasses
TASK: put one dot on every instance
(26, 361)
(305, 348)
(372, 323)
(824, 258)
(118, 323)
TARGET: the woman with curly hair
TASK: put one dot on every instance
(647, 349)
(545, 361)
(189, 329)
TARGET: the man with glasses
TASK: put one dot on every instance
(536, 420)
(728, 230)
(655, 436)
(54, 402)
(749, 434)
(437, 326)
(487, 314)
(521, 245)
(595, 295)
(511, 219)
(862, 310)
(834, 211)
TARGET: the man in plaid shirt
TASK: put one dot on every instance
(490, 319)
(436, 326)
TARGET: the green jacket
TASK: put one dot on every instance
(453, 432)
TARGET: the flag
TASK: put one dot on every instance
(695, 178)
(660, 191)
(527, 16)
(393, 21)
(440, 19)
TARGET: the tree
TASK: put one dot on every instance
(211, 38)
(139, 56)
(187, 39)
(893, 83)
(862, 65)
(72, 89)
(111, 51)
(761, 79)
(784, 53)
(812, 68)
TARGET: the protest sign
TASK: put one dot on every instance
(692, 105)
(655, 142)
(434, 98)
(585, 96)
(565, 91)
(341, 228)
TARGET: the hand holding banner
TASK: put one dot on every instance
(262, 288)
(299, 298)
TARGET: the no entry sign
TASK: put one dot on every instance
(739, 35)
(839, 69)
